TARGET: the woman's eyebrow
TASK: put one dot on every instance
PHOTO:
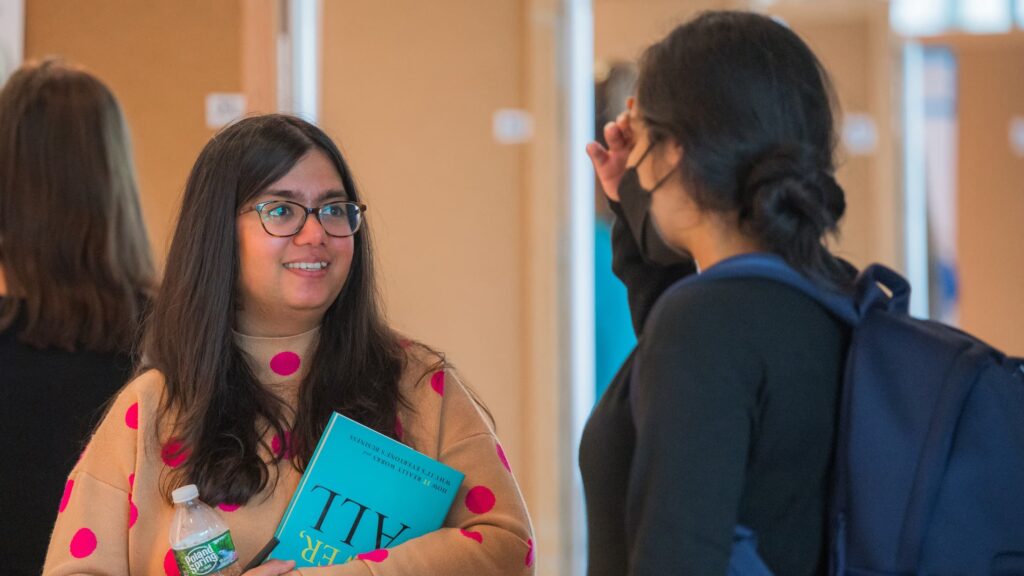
(325, 196)
(285, 194)
(332, 195)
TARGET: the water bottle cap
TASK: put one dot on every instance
(185, 493)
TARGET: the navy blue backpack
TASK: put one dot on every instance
(929, 460)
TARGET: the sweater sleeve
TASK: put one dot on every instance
(487, 530)
(95, 513)
(694, 401)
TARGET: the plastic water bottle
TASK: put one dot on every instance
(201, 542)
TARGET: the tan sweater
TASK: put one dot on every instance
(113, 519)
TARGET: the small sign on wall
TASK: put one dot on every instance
(223, 108)
(512, 126)
(1017, 136)
(860, 134)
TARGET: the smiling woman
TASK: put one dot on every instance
(267, 322)
(291, 267)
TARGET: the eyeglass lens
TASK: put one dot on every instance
(281, 218)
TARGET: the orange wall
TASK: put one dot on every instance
(990, 189)
(408, 92)
(161, 58)
(853, 45)
(623, 28)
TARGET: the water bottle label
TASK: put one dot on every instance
(207, 558)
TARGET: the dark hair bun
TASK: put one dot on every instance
(789, 198)
(757, 131)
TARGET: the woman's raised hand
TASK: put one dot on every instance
(610, 162)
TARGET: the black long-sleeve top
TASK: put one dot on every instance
(730, 420)
(50, 401)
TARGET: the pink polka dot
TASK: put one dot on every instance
(501, 456)
(131, 481)
(174, 453)
(480, 500)
(67, 495)
(133, 512)
(228, 507)
(399, 431)
(282, 449)
(437, 382)
(529, 554)
(83, 543)
(170, 565)
(285, 363)
(473, 535)
(131, 416)
(374, 556)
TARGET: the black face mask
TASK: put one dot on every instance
(636, 207)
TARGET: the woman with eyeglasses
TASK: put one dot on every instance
(75, 276)
(268, 320)
(711, 452)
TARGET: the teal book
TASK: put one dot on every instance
(362, 492)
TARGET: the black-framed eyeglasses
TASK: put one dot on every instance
(283, 218)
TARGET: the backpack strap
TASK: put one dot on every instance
(772, 267)
(935, 451)
(876, 287)
(850, 310)
(869, 290)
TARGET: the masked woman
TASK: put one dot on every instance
(715, 445)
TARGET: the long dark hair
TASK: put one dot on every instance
(72, 240)
(220, 411)
(751, 107)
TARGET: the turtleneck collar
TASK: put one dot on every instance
(279, 360)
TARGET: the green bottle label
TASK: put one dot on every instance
(207, 558)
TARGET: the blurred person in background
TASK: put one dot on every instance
(76, 274)
(613, 329)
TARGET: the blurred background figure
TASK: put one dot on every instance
(613, 329)
(76, 274)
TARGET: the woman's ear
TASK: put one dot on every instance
(673, 152)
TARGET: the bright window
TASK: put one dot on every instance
(930, 17)
(985, 16)
(920, 17)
